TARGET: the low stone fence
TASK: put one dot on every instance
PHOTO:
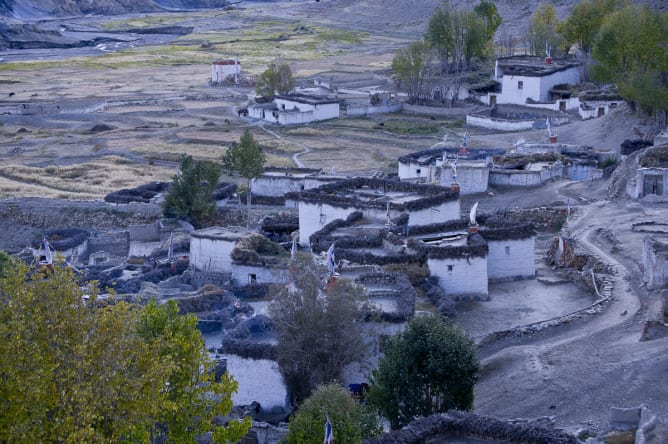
(402, 291)
(599, 284)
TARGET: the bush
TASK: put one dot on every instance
(431, 367)
(351, 422)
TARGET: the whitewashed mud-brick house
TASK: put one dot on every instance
(651, 177)
(225, 70)
(257, 260)
(275, 182)
(597, 103)
(377, 199)
(655, 262)
(443, 166)
(211, 248)
(463, 256)
(292, 109)
(526, 171)
(529, 80)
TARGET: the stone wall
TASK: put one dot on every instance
(116, 244)
(510, 259)
(144, 233)
(461, 278)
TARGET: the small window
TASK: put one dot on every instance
(252, 278)
(418, 171)
(520, 84)
(507, 250)
(450, 267)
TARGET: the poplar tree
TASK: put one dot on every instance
(74, 368)
(247, 159)
(277, 78)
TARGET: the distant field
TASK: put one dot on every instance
(155, 104)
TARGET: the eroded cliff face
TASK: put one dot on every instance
(36, 9)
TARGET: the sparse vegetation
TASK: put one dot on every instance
(317, 336)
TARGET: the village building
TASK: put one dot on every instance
(473, 170)
(595, 104)
(529, 80)
(377, 199)
(275, 182)
(292, 109)
(468, 167)
(211, 248)
(462, 255)
(651, 177)
(258, 260)
(531, 170)
(655, 262)
(226, 70)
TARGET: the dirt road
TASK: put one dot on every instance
(576, 372)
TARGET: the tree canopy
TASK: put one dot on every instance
(431, 367)
(319, 332)
(584, 21)
(631, 50)
(488, 12)
(458, 35)
(191, 195)
(277, 78)
(542, 34)
(78, 369)
(247, 159)
(351, 422)
(410, 67)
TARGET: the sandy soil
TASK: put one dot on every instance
(574, 372)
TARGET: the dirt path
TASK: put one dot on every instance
(576, 372)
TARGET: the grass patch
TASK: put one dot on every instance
(625, 437)
(281, 146)
(86, 180)
(414, 128)
(309, 131)
(337, 35)
(173, 151)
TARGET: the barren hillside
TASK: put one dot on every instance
(410, 17)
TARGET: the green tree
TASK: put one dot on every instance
(191, 195)
(351, 422)
(431, 367)
(191, 397)
(631, 50)
(542, 34)
(74, 369)
(458, 35)
(319, 332)
(6, 263)
(488, 12)
(247, 159)
(277, 78)
(584, 21)
(410, 68)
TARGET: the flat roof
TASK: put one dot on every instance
(307, 99)
(376, 193)
(532, 66)
(433, 154)
(221, 233)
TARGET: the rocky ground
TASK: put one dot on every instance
(574, 372)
